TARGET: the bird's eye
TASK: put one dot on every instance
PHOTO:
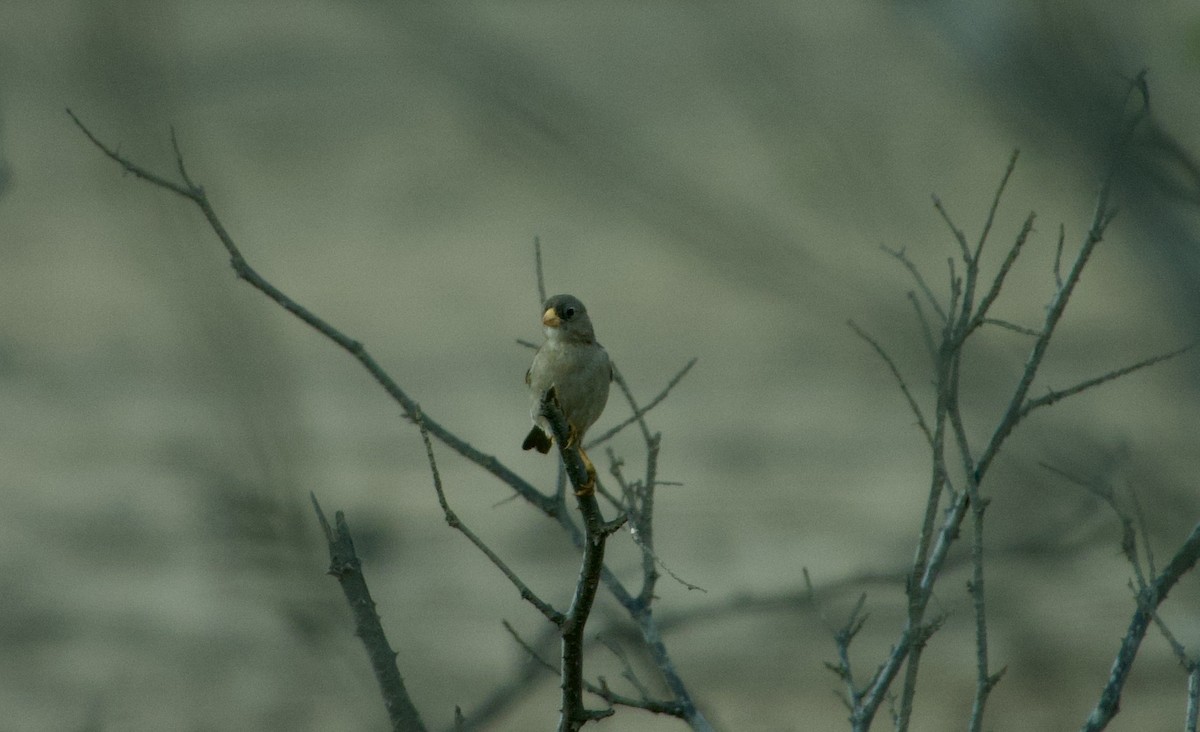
(568, 313)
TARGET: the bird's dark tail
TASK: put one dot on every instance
(537, 439)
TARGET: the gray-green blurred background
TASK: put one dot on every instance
(713, 180)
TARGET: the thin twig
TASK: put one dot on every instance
(1177, 648)
(533, 654)
(887, 359)
(1143, 530)
(633, 508)
(1060, 394)
(627, 671)
(537, 265)
(640, 500)
(959, 236)
(547, 610)
(987, 226)
(1058, 250)
(518, 685)
(1010, 326)
(842, 638)
(926, 330)
(640, 413)
(901, 257)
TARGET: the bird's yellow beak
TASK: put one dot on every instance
(550, 318)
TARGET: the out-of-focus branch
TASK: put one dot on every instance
(1193, 699)
(887, 359)
(903, 259)
(537, 264)
(346, 567)
(455, 522)
(1148, 600)
(1149, 594)
(1057, 395)
(961, 318)
(639, 414)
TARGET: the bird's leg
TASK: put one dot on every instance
(589, 487)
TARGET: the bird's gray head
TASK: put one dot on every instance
(565, 317)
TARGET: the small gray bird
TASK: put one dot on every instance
(578, 368)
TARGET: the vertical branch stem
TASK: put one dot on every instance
(1193, 698)
(1148, 600)
(574, 714)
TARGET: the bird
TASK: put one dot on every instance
(577, 367)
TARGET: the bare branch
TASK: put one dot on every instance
(985, 681)
(987, 226)
(452, 519)
(1143, 530)
(933, 548)
(638, 414)
(355, 348)
(842, 638)
(1193, 699)
(517, 686)
(1010, 326)
(1058, 395)
(1005, 266)
(537, 263)
(901, 257)
(345, 566)
(533, 654)
(644, 701)
(1148, 600)
(1016, 407)
(1177, 648)
(959, 236)
(627, 668)
(926, 330)
(552, 505)
(1058, 250)
(602, 689)
(136, 171)
(887, 359)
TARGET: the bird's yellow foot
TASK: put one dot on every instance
(589, 487)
